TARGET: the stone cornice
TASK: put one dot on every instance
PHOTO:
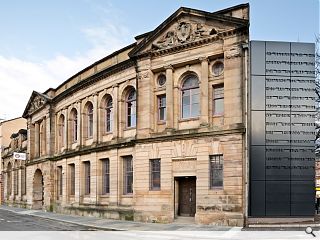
(95, 78)
(107, 146)
(181, 47)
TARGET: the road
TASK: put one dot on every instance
(10, 221)
(23, 226)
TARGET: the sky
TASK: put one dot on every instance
(43, 43)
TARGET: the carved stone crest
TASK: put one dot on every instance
(233, 52)
(183, 31)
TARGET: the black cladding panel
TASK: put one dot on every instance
(282, 128)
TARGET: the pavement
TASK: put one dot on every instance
(116, 225)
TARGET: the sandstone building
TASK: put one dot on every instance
(154, 131)
(14, 179)
(8, 127)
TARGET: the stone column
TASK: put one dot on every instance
(36, 140)
(116, 111)
(95, 118)
(204, 92)
(169, 96)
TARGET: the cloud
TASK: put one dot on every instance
(19, 77)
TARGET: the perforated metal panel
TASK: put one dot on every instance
(282, 130)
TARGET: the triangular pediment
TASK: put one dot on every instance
(36, 102)
(187, 26)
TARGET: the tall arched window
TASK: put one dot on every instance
(74, 125)
(61, 130)
(131, 108)
(90, 120)
(190, 97)
(109, 114)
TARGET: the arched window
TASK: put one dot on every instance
(61, 130)
(74, 125)
(9, 179)
(131, 108)
(109, 114)
(90, 120)
(190, 97)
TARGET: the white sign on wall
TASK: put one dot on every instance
(20, 156)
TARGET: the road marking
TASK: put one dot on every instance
(1, 219)
(13, 221)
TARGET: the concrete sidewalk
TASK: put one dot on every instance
(117, 225)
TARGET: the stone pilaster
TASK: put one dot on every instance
(66, 127)
(204, 92)
(31, 139)
(48, 134)
(169, 96)
(116, 112)
(79, 140)
(95, 118)
(37, 140)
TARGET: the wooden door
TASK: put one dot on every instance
(187, 196)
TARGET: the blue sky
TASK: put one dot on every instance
(43, 43)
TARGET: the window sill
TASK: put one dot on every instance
(189, 119)
(155, 190)
(107, 133)
(129, 195)
(218, 116)
(129, 128)
(161, 122)
(216, 189)
(105, 195)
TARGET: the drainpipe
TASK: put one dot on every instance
(245, 47)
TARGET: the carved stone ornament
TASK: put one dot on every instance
(233, 53)
(37, 103)
(184, 32)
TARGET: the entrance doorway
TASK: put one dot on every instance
(38, 190)
(186, 196)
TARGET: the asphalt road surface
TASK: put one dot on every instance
(10, 221)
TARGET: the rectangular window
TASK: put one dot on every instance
(162, 107)
(23, 181)
(75, 129)
(72, 176)
(87, 178)
(105, 176)
(155, 170)
(218, 100)
(59, 182)
(216, 171)
(128, 175)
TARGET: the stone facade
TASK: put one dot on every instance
(8, 127)
(14, 170)
(95, 141)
